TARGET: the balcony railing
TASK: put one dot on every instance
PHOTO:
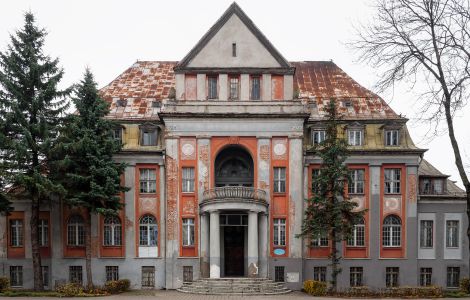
(235, 192)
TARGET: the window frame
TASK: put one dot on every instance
(322, 241)
(452, 282)
(152, 131)
(392, 185)
(150, 182)
(77, 229)
(452, 239)
(389, 133)
(43, 232)
(112, 273)
(76, 274)
(356, 276)
(425, 276)
(424, 234)
(319, 273)
(17, 273)
(321, 134)
(279, 180)
(188, 232)
(355, 183)
(252, 77)
(279, 232)
(114, 229)
(16, 232)
(148, 276)
(237, 85)
(215, 78)
(188, 183)
(392, 277)
(389, 232)
(150, 229)
(354, 136)
(358, 238)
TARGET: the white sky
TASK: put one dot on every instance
(110, 35)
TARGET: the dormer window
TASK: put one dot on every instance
(116, 134)
(431, 186)
(234, 87)
(318, 136)
(347, 103)
(156, 104)
(212, 87)
(148, 136)
(392, 137)
(355, 137)
(255, 87)
(121, 103)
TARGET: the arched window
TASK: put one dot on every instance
(358, 236)
(391, 231)
(75, 231)
(148, 231)
(112, 231)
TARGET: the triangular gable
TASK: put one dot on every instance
(215, 46)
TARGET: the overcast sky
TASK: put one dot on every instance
(110, 35)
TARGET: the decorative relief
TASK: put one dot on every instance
(392, 205)
(280, 149)
(360, 203)
(188, 207)
(204, 170)
(263, 185)
(188, 149)
(148, 204)
(412, 188)
(264, 152)
(234, 140)
(263, 165)
(172, 209)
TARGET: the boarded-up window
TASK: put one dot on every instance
(190, 87)
(277, 87)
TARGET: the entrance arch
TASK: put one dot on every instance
(234, 167)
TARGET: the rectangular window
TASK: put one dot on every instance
(425, 276)
(356, 185)
(391, 137)
(453, 277)
(318, 136)
(279, 274)
(426, 234)
(45, 275)
(437, 186)
(277, 87)
(76, 274)
(355, 276)
(452, 233)
(188, 180)
(190, 87)
(358, 237)
(431, 186)
(315, 187)
(112, 273)
(43, 233)
(16, 233)
(355, 137)
(279, 234)
(234, 88)
(187, 273)
(391, 276)
(279, 180)
(212, 87)
(148, 137)
(148, 181)
(116, 134)
(188, 232)
(148, 276)
(319, 274)
(255, 87)
(321, 241)
(16, 276)
(392, 179)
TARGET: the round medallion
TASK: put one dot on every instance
(280, 149)
(279, 251)
(359, 201)
(392, 204)
(187, 149)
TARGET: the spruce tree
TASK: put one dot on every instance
(329, 210)
(91, 178)
(31, 108)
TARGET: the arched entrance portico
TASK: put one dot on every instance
(234, 209)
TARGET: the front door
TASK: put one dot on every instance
(234, 242)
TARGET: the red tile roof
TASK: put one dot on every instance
(315, 81)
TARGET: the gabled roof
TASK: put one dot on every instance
(233, 9)
(426, 169)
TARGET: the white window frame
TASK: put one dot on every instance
(392, 137)
(17, 272)
(147, 181)
(112, 231)
(392, 182)
(43, 232)
(318, 136)
(279, 232)
(355, 137)
(76, 231)
(148, 231)
(358, 237)
(391, 231)
(112, 273)
(16, 233)
(280, 179)
(426, 234)
(188, 179)
(321, 241)
(357, 184)
(452, 238)
(188, 232)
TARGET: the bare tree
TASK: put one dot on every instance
(425, 41)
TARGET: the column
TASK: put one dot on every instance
(263, 245)
(204, 234)
(214, 245)
(252, 244)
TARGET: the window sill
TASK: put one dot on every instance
(112, 246)
(391, 247)
(321, 247)
(279, 193)
(189, 246)
(356, 247)
(279, 246)
(76, 246)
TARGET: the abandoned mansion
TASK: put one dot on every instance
(220, 160)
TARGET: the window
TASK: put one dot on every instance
(116, 134)
(430, 186)
(321, 241)
(279, 234)
(16, 276)
(148, 181)
(148, 276)
(279, 274)
(391, 137)
(187, 273)
(355, 137)
(391, 276)
(234, 50)
(75, 231)
(16, 233)
(279, 180)
(43, 233)
(392, 181)
(425, 276)
(212, 87)
(315, 186)
(318, 136)
(452, 234)
(112, 231)
(112, 273)
(234, 88)
(356, 185)
(121, 103)
(188, 232)
(319, 274)
(148, 232)
(45, 275)
(453, 277)
(426, 234)
(188, 180)
(355, 276)
(391, 235)
(358, 235)
(76, 274)
(255, 88)
(148, 136)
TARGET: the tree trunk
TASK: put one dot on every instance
(334, 263)
(35, 250)
(89, 278)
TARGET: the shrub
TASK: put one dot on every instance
(413, 292)
(315, 288)
(358, 291)
(464, 285)
(117, 286)
(70, 289)
(4, 284)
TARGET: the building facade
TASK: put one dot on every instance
(220, 162)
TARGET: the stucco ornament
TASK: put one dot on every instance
(263, 165)
(187, 149)
(280, 149)
(392, 204)
(360, 203)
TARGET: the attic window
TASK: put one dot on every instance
(347, 103)
(156, 104)
(234, 49)
(121, 103)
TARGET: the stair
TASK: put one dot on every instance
(234, 286)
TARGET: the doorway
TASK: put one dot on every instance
(234, 247)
